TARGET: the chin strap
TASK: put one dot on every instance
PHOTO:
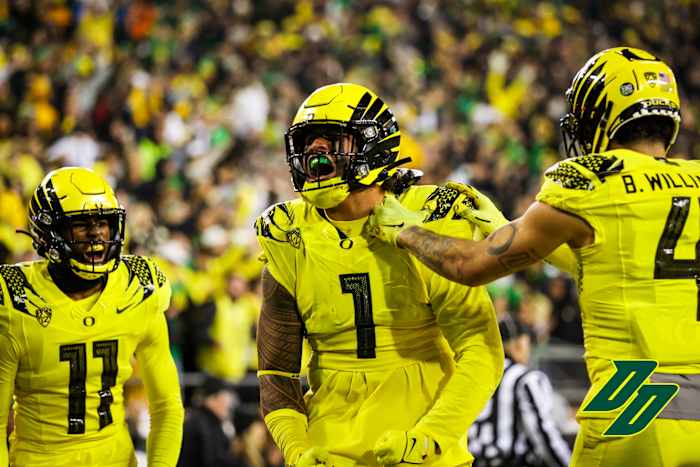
(383, 175)
(69, 282)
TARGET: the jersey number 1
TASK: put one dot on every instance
(358, 286)
(75, 355)
(665, 265)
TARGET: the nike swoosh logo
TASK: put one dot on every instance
(398, 226)
(131, 305)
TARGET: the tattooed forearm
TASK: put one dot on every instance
(466, 261)
(444, 255)
(279, 337)
(517, 261)
(501, 239)
(279, 392)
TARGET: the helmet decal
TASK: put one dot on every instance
(64, 196)
(613, 88)
(361, 132)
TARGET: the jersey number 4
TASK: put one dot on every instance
(75, 354)
(666, 266)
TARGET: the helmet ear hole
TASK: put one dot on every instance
(45, 218)
(54, 255)
(361, 170)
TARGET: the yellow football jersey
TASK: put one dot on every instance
(639, 281)
(66, 361)
(370, 307)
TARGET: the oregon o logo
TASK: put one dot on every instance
(89, 321)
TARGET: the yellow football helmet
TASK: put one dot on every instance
(73, 193)
(614, 87)
(340, 113)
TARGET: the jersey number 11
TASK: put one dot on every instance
(75, 355)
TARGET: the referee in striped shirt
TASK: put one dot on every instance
(516, 428)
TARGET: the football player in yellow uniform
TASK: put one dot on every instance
(397, 374)
(632, 217)
(69, 326)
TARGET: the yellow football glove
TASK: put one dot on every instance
(313, 457)
(412, 447)
(390, 218)
(478, 209)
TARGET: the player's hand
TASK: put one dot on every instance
(478, 209)
(413, 447)
(390, 218)
(312, 457)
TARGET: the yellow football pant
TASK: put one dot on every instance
(665, 443)
(115, 451)
(349, 410)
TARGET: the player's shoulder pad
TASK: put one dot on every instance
(17, 286)
(146, 271)
(278, 223)
(436, 201)
(585, 172)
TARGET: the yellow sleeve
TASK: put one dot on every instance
(279, 239)
(162, 387)
(9, 361)
(9, 358)
(164, 291)
(564, 259)
(288, 429)
(577, 186)
(468, 321)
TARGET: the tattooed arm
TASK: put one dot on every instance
(280, 338)
(514, 246)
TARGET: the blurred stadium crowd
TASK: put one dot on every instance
(182, 105)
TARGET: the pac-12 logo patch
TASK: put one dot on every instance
(294, 237)
(651, 78)
(43, 315)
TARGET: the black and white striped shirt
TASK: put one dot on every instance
(516, 427)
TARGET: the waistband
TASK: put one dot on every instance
(386, 358)
(115, 433)
(686, 404)
(393, 347)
